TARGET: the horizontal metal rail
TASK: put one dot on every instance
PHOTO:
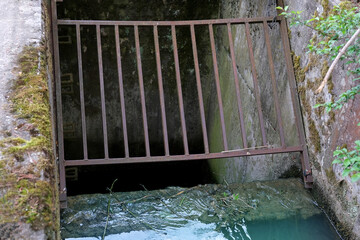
(223, 154)
(170, 23)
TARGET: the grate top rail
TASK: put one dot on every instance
(169, 23)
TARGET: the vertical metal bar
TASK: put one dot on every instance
(199, 90)
(178, 82)
(237, 87)
(142, 91)
(81, 85)
(256, 83)
(121, 89)
(161, 91)
(274, 85)
(60, 130)
(102, 91)
(308, 179)
(218, 89)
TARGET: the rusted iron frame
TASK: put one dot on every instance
(224, 154)
(169, 23)
(81, 86)
(215, 68)
(199, 89)
(274, 84)
(121, 91)
(256, 83)
(218, 87)
(142, 91)
(305, 162)
(102, 91)
(59, 121)
(161, 91)
(179, 90)
(237, 86)
(148, 158)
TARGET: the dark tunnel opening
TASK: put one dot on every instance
(136, 177)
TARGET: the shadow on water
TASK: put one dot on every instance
(275, 210)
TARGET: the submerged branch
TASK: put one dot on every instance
(108, 209)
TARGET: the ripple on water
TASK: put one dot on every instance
(279, 210)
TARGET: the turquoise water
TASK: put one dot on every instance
(276, 210)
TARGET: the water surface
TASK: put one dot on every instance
(274, 210)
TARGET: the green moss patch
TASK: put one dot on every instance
(28, 188)
(314, 135)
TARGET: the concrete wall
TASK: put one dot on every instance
(325, 131)
(253, 168)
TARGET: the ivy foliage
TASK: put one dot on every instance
(350, 160)
(334, 29)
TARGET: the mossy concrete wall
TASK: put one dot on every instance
(28, 185)
(326, 131)
(253, 168)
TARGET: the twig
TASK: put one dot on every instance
(182, 200)
(246, 203)
(227, 184)
(108, 209)
(144, 187)
(341, 52)
(183, 191)
(122, 204)
(133, 214)
(226, 199)
(135, 200)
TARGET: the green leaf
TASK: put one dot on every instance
(236, 197)
(336, 161)
(346, 163)
(318, 105)
(355, 169)
(355, 159)
(355, 177)
(346, 172)
(337, 152)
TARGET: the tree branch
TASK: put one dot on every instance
(341, 52)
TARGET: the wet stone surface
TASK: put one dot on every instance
(211, 211)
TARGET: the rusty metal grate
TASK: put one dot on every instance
(245, 151)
